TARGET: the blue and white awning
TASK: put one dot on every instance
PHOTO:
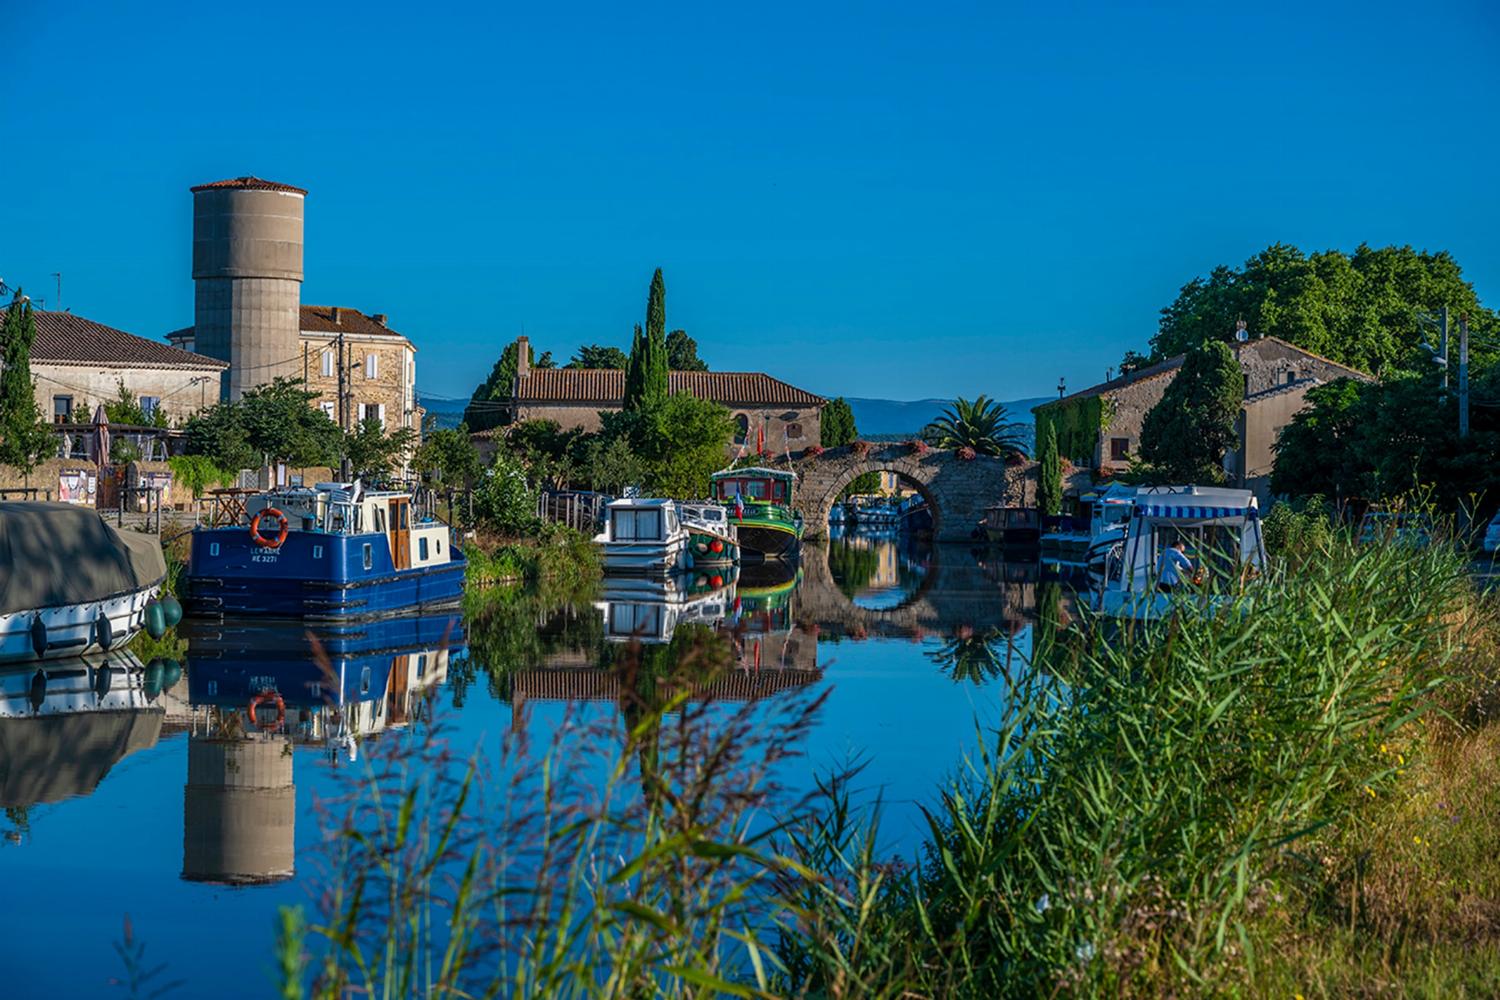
(1176, 512)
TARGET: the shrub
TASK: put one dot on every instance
(918, 447)
(967, 454)
(812, 451)
(860, 448)
(503, 501)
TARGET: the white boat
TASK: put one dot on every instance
(1107, 510)
(707, 524)
(70, 584)
(1223, 534)
(644, 536)
(649, 611)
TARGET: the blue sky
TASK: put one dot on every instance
(874, 200)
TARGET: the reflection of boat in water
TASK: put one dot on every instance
(649, 611)
(65, 723)
(1013, 527)
(69, 583)
(337, 687)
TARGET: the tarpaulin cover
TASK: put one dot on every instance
(56, 554)
(53, 757)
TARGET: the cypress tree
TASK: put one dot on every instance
(635, 367)
(23, 437)
(1049, 471)
(654, 376)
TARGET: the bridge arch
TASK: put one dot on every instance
(956, 490)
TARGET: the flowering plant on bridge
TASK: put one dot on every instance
(967, 454)
(860, 448)
(918, 447)
(812, 451)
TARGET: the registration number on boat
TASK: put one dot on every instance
(264, 557)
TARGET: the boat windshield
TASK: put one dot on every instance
(752, 488)
(636, 524)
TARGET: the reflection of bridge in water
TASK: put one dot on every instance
(774, 625)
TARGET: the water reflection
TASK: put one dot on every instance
(65, 724)
(878, 569)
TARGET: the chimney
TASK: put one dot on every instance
(380, 318)
(523, 356)
(1240, 333)
(336, 313)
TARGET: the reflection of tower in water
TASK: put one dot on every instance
(239, 809)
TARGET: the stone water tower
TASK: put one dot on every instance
(247, 272)
(239, 810)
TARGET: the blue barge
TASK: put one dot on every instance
(334, 552)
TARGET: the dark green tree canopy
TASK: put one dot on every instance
(1049, 487)
(449, 456)
(682, 353)
(1186, 434)
(1359, 309)
(837, 424)
(598, 356)
(275, 422)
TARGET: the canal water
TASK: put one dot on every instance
(139, 787)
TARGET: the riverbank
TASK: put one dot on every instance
(1297, 800)
(555, 555)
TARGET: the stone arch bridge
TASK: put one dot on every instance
(958, 491)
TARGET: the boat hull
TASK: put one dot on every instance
(72, 629)
(313, 576)
(644, 558)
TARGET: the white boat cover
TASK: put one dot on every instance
(55, 554)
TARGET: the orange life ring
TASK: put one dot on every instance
(262, 540)
(260, 700)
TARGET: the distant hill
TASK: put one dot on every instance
(888, 417)
(447, 412)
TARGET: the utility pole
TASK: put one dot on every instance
(58, 276)
(1463, 374)
(1443, 348)
(343, 403)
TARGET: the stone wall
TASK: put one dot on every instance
(1129, 406)
(1261, 420)
(181, 391)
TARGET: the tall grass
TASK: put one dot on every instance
(1149, 792)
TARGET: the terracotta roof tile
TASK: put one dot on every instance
(319, 319)
(247, 184)
(63, 338)
(606, 386)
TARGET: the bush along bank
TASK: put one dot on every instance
(554, 555)
(1253, 804)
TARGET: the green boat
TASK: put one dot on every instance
(760, 508)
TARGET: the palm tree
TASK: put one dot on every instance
(973, 658)
(980, 425)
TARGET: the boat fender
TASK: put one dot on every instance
(687, 560)
(171, 674)
(283, 526)
(716, 580)
(39, 637)
(716, 545)
(156, 620)
(104, 632)
(151, 684)
(38, 693)
(103, 678)
(701, 547)
(273, 698)
(172, 608)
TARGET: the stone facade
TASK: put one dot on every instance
(79, 389)
(1269, 364)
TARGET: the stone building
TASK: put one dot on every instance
(1103, 422)
(768, 411)
(380, 366)
(77, 364)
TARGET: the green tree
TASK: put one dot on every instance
(1359, 309)
(654, 383)
(681, 442)
(273, 422)
(836, 426)
(980, 424)
(373, 453)
(635, 373)
(1186, 434)
(198, 473)
(609, 464)
(492, 402)
(125, 408)
(1049, 486)
(598, 356)
(1322, 450)
(544, 450)
(24, 439)
(682, 353)
(503, 500)
(449, 456)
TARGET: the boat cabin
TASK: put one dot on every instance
(348, 509)
(1221, 529)
(754, 484)
(651, 520)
